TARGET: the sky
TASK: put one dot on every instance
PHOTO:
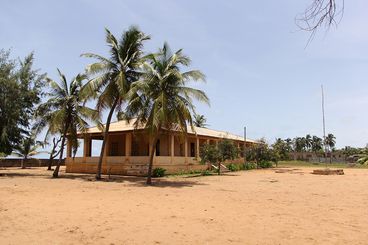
(259, 71)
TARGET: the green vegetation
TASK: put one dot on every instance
(162, 99)
(114, 76)
(20, 92)
(225, 150)
(199, 121)
(65, 111)
(158, 172)
(27, 148)
(298, 163)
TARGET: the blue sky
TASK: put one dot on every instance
(259, 73)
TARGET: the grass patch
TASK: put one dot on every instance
(318, 164)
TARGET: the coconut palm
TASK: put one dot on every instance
(308, 141)
(317, 144)
(65, 111)
(330, 142)
(114, 75)
(200, 121)
(161, 100)
(27, 148)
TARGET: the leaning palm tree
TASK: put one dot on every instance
(27, 148)
(114, 75)
(200, 121)
(161, 100)
(65, 110)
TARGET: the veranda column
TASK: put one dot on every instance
(128, 145)
(197, 148)
(186, 149)
(86, 146)
(172, 144)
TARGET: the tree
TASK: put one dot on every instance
(330, 141)
(281, 148)
(161, 99)
(114, 75)
(200, 121)
(20, 92)
(308, 142)
(262, 154)
(65, 109)
(27, 148)
(55, 151)
(225, 150)
(319, 13)
(317, 144)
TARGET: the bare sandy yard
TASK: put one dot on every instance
(254, 207)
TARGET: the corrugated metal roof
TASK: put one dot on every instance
(123, 125)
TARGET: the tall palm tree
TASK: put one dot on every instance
(161, 100)
(65, 110)
(27, 148)
(200, 121)
(308, 142)
(114, 75)
(330, 142)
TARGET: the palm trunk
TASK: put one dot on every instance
(56, 171)
(22, 165)
(50, 163)
(105, 137)
(152, 153)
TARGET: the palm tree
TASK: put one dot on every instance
(200, 121)
(330, 141)
(161, 100)
(114, 76)
(65, 110)
(27, 148)
(308, 142)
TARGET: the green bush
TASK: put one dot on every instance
(206, 172)
(158, 172)
(250, 166)
(265, 164)
(233, 167)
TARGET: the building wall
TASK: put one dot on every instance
(127, 153)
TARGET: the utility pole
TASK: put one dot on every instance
(324, 124)
(245, 145)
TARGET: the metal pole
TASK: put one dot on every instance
(245, 145)
(324, 124)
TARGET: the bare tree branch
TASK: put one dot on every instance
(320, 13)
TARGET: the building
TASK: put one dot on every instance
(127, 150)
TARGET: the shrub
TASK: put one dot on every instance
(206, 173)
(250, 166)
(265, 164)
(233, 167)
(158, 172)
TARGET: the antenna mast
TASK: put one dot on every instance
(324, 122)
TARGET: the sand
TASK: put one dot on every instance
(254, 207)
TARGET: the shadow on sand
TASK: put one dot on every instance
(126, 180)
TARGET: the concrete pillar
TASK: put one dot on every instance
(68, 148)
(87, 146)
(186, 149)
(172, 143)
(128, 144)
(207, 141)
(197, 147)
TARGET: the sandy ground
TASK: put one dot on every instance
(254, 207)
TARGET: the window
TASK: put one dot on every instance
(114, 151)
